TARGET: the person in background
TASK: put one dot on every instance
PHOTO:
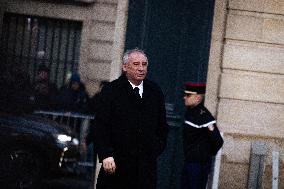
(130, 127)
(73, 97)
(45, 92)
(89, 145)
(93, 105)
(94, 101)
(201, 138)
(16, 93)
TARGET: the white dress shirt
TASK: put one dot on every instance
(139, 86)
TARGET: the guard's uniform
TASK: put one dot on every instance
(200, 144)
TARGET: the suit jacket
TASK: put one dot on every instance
(133, 130)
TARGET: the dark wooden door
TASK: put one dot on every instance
(176, 37)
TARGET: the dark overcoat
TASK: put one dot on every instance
(199, 143)
(133, 131)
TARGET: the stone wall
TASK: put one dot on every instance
(245, 84)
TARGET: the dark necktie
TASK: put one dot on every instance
(136, 92)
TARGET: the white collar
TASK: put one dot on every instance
(139, 86)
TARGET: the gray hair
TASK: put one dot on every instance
(128, 52)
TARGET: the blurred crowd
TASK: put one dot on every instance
(19, 95)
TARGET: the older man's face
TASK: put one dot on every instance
(136, 68)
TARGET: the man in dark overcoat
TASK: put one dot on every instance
(130, 128)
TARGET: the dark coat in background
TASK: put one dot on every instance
(16, 90)
(71, 100)
(199, 143)
(133, 131)
(45, 93)
(93, 107)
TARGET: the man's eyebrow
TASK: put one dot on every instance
(139, 62)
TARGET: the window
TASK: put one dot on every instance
(31, 41)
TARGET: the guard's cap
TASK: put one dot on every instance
(194, 88)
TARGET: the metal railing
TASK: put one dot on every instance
(168, 177)
(259, 152)
(213, 179)
(79, 124)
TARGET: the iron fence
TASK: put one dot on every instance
(79, 124)
(29, 41)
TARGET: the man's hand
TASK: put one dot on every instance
(109, 165)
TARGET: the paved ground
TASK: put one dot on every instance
(59, 183)
(67, 183)
(84, 179)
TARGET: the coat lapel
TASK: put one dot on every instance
(146, 90)
(127, 88)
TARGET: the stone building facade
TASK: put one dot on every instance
(245, 76)
(245, 84)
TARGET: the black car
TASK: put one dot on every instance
(32, 148)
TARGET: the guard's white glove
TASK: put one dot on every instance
(211, 127)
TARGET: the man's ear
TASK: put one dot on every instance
(198, 98)
(124, 67)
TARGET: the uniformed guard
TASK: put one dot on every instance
(201, 138)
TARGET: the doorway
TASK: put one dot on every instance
(176, 37)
